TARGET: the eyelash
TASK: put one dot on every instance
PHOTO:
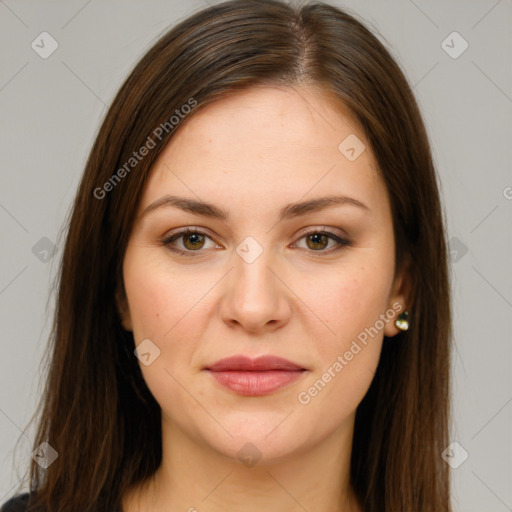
(167, 241)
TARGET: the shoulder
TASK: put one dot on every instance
(17, 503)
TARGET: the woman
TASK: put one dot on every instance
(253, 308)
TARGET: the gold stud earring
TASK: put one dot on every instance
(402, 322)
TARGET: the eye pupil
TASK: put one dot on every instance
(317, 239)
(195, 239)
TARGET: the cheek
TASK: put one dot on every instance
(349, 303)
(168, 308)
(164, 309)
(147, 297)
(348, 352)
(159, 300)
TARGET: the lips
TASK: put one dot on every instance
(244, 363)
(255, 377)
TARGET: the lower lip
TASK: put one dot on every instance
(256, 383)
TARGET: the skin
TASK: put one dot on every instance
(252, 154)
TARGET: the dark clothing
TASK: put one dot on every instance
(18, 503)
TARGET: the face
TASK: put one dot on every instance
(260, 276)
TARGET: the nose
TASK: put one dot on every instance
(255, 296)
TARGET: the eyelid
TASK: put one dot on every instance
(322, 229)
(341, 240)
(167, 239)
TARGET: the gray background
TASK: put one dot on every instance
(51, 109)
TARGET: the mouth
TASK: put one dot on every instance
(255, 377)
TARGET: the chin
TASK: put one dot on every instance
(261, 441)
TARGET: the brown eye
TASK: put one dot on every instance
(192, 241)
(318, 240)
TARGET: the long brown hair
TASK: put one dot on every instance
(96, 410)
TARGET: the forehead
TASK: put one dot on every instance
(270, 118)
(264, 139)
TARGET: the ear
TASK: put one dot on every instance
(123, 308)
(400, 298)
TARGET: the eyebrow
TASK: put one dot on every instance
(289, 211)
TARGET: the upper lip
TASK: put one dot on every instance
(244, 363)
